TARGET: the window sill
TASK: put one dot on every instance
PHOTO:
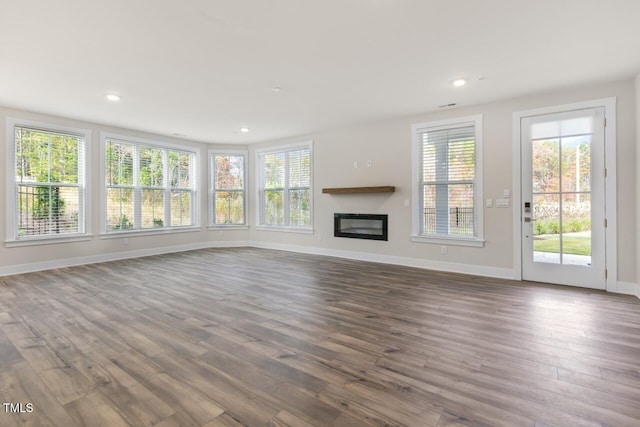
(47, 240)
(453, 241)
(150, 232)
(221, 227)
(285, 229)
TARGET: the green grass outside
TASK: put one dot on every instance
(573, 243)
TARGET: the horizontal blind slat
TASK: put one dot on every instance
(49, 177)
(448, 176)
(157, 182)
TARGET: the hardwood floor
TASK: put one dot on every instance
(235, 337)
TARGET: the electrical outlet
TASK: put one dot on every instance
(444, 250)
(355, 164)
(125, 241)
(406, 203)
(369, 163)
(319, 237)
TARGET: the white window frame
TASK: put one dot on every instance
(417, 215)
(259, 185)
(84, 218)
(611, 202)
(195, 209)
(212, 189)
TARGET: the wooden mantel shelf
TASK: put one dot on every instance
(355, 190)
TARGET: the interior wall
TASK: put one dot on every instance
(387, 144)
(99, 247)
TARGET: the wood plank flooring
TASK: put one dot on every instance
(252, 337)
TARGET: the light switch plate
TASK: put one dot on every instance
(506, 193)
(502, 203)
(489, 203)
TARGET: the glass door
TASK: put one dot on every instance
(563, 208)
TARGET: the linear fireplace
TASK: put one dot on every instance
(360, 226)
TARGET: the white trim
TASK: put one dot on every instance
(49, 241)
(148, 232)
(10, 213)
(626, 288)
(453, 241)
(284, 147)
(10, 185)
(223, 227)
(452, 123)
(210, 187)
(258, 185)
(611, 190)
(611, 232)
(88, 182)
(477, 270)
(516, 193)
(103, 186)
(93, 259)
(154, 143)
(476, 120)
(284, 229)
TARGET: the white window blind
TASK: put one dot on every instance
(228, 189)
(285, 188)
(299, 188)
(272, 206)
(148, 187)
(49, 183)
(448, 180)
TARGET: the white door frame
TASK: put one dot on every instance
(611, 234)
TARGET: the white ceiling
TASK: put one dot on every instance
(205, 68)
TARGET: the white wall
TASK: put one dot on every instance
(388, 145)
(50, 255)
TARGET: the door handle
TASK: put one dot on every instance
(527, 219)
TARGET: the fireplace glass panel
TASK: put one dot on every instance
(361, 226)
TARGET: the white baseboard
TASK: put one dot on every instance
(114, 256)
(477, 270)
(361, 256)
(627, 288)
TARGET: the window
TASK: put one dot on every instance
(228, 188)
(48, 185)
(148, 187)
(447, 181)
(285, 187)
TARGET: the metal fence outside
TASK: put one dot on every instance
(460, 221)
(44, 210)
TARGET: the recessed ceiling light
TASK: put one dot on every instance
(244, 129)
(459, 82)
(276, 89)
(113, 97)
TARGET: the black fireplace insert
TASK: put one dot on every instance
(360, 226)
